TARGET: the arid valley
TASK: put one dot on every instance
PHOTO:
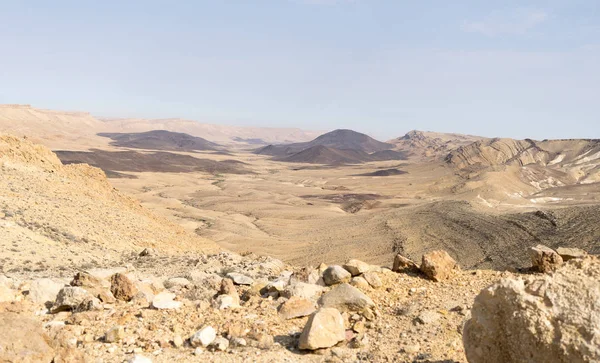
(162, 243)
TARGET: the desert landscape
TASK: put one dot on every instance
(171, 240)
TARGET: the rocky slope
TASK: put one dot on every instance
(81, 282)
(52, 213)
(428, 145)
(334, 148)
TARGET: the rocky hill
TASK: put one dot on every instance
(335, 147)
(542, 171)
(426, 144)
(52, 213)
(337, 139)
(161, 140)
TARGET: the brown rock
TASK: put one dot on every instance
(438, 265)
(544, 259)
(22, 340)
(403, 264)
(227, 287)
(324, 329)
(296, 307)
(122, 288)
(96, 286)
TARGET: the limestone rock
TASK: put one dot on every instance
(296, 307)
(336, 275)
(346, 298)
(164, 300)
(544, 259)
(85, 279)
(438, 265)
(227, 287)
(428, 317)
(42, 291)
(568, 254)
(220, 343)
(360, 282)
(115, 334)
(223, 302)
(122, 288)
(140, 359)
(7, 294)
(303, 290)
(324, 329)
(373, 279)
(403, 264)
(96, 286)
(177, 282)
(544, 318)
(356, 267)
(240, 279)
(71, 298)
(22, 340)
(203, 337)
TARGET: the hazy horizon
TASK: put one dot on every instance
(520, 69)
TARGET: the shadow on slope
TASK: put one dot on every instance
(132, 161)
(161, 140)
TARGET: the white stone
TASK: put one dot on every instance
(164, 300)
(140, 359)
(42, 291)
(240, 279)
(203, 337)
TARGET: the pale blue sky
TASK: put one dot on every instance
(494, 68)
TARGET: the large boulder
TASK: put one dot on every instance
(544, 259)
(71, 298)
(42, 291)
(96, 286)
(122, 288)
(438, 265)
(336, 275)
(22, 340)
(324, 329)
(544, 318)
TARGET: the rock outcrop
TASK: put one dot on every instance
(324, 329)
(438, 265)
(23, 340)
(544, 259)
(544, 318)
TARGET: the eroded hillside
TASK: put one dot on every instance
(54, 213)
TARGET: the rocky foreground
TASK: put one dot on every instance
(230, 308)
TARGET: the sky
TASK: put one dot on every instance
(522, 69)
